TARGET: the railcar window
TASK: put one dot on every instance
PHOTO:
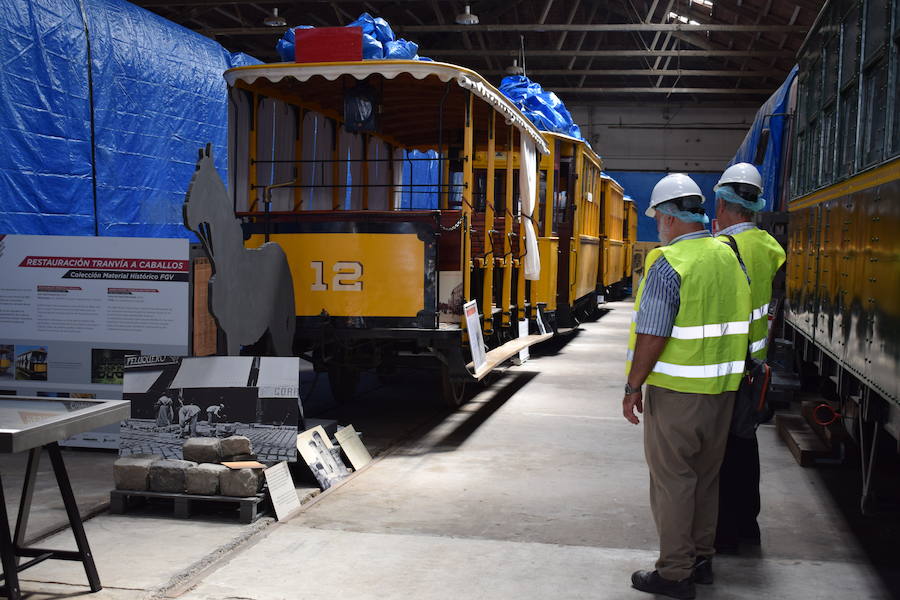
(829, 139)
(895, 98)
(850, 55)
(797, 167)
(832, 64)
(877, 22)
(815, 154)
(847, 133)
(874, 112)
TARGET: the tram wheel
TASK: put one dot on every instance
(453, 393)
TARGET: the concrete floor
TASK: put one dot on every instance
(536, 488)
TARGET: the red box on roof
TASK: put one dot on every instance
(327, 44)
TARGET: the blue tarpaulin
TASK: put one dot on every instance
(154, 91)
(639, 184)
(544, 109)
(770, 116)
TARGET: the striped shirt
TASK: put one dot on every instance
(661, 297)
(737, 228)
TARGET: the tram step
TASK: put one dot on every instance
(801, 440)
(249, 509)
(503, 353)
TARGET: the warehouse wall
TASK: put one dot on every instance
(658, 138)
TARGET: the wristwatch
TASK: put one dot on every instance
(630, 390)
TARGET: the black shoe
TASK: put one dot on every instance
(703, 571)
(654, 583)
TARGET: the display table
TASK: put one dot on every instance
(34, 423)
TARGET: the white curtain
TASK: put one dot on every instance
(527, 188)
(379, 175)
(399, 155)
(351, 145)
(317, 136)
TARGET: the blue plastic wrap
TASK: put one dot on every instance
(158, 96)
(770, 115)
(45, 165)
(544, 109)
(378, 41)
(423, 175)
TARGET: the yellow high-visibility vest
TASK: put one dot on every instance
(762, 256)
(707, 349)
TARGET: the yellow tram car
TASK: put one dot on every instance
(515, 220)
(5, 359)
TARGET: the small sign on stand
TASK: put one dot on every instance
(473, 327)
(353, 447)
(282, 490)
(524, 355)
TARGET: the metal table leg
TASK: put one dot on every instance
(8, 554)
(65, 488)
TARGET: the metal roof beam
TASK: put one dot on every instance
(598, 27)
(653, 90)
(647, 72)
(616, 53)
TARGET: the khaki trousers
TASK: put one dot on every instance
(684, 442)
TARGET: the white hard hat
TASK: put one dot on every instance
(670, 187)
(741, 173)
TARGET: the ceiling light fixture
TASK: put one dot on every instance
(274, 20)
(514, 68)
(467, 18)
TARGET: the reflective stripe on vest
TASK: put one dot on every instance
(762, 256)
(706, 350)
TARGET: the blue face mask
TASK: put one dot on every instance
(669, 208)
(729, 195)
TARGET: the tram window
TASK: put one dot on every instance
(803, 102)
(847, 130)
(815, 151)
(874, 112)
(814, 89)
(832, 62)
(850, 55)
(895, 136)
(796, 167)
(877, 22)
(828, 145)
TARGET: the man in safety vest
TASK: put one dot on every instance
(688, 342)
(738, 199)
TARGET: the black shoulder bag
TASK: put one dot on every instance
(750, 400)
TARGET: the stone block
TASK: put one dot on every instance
(169, 475)
(202, 450)
(239, 482)
(235, 446)
(133, 473)
(203, 479)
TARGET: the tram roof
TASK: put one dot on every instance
(415, 89)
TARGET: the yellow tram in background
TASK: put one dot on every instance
(321, 161)
(6, 354)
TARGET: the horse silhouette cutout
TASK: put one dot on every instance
(251, 291)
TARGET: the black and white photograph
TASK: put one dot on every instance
(175, 398)
(323, 457)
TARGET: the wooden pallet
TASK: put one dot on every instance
(251, 508)
(803, 442)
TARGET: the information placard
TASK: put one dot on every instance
(473, 327)
(73, 307)
(282, 490)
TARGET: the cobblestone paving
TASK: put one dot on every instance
(269, 443)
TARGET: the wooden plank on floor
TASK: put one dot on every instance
(803, 442)
(503, 353)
